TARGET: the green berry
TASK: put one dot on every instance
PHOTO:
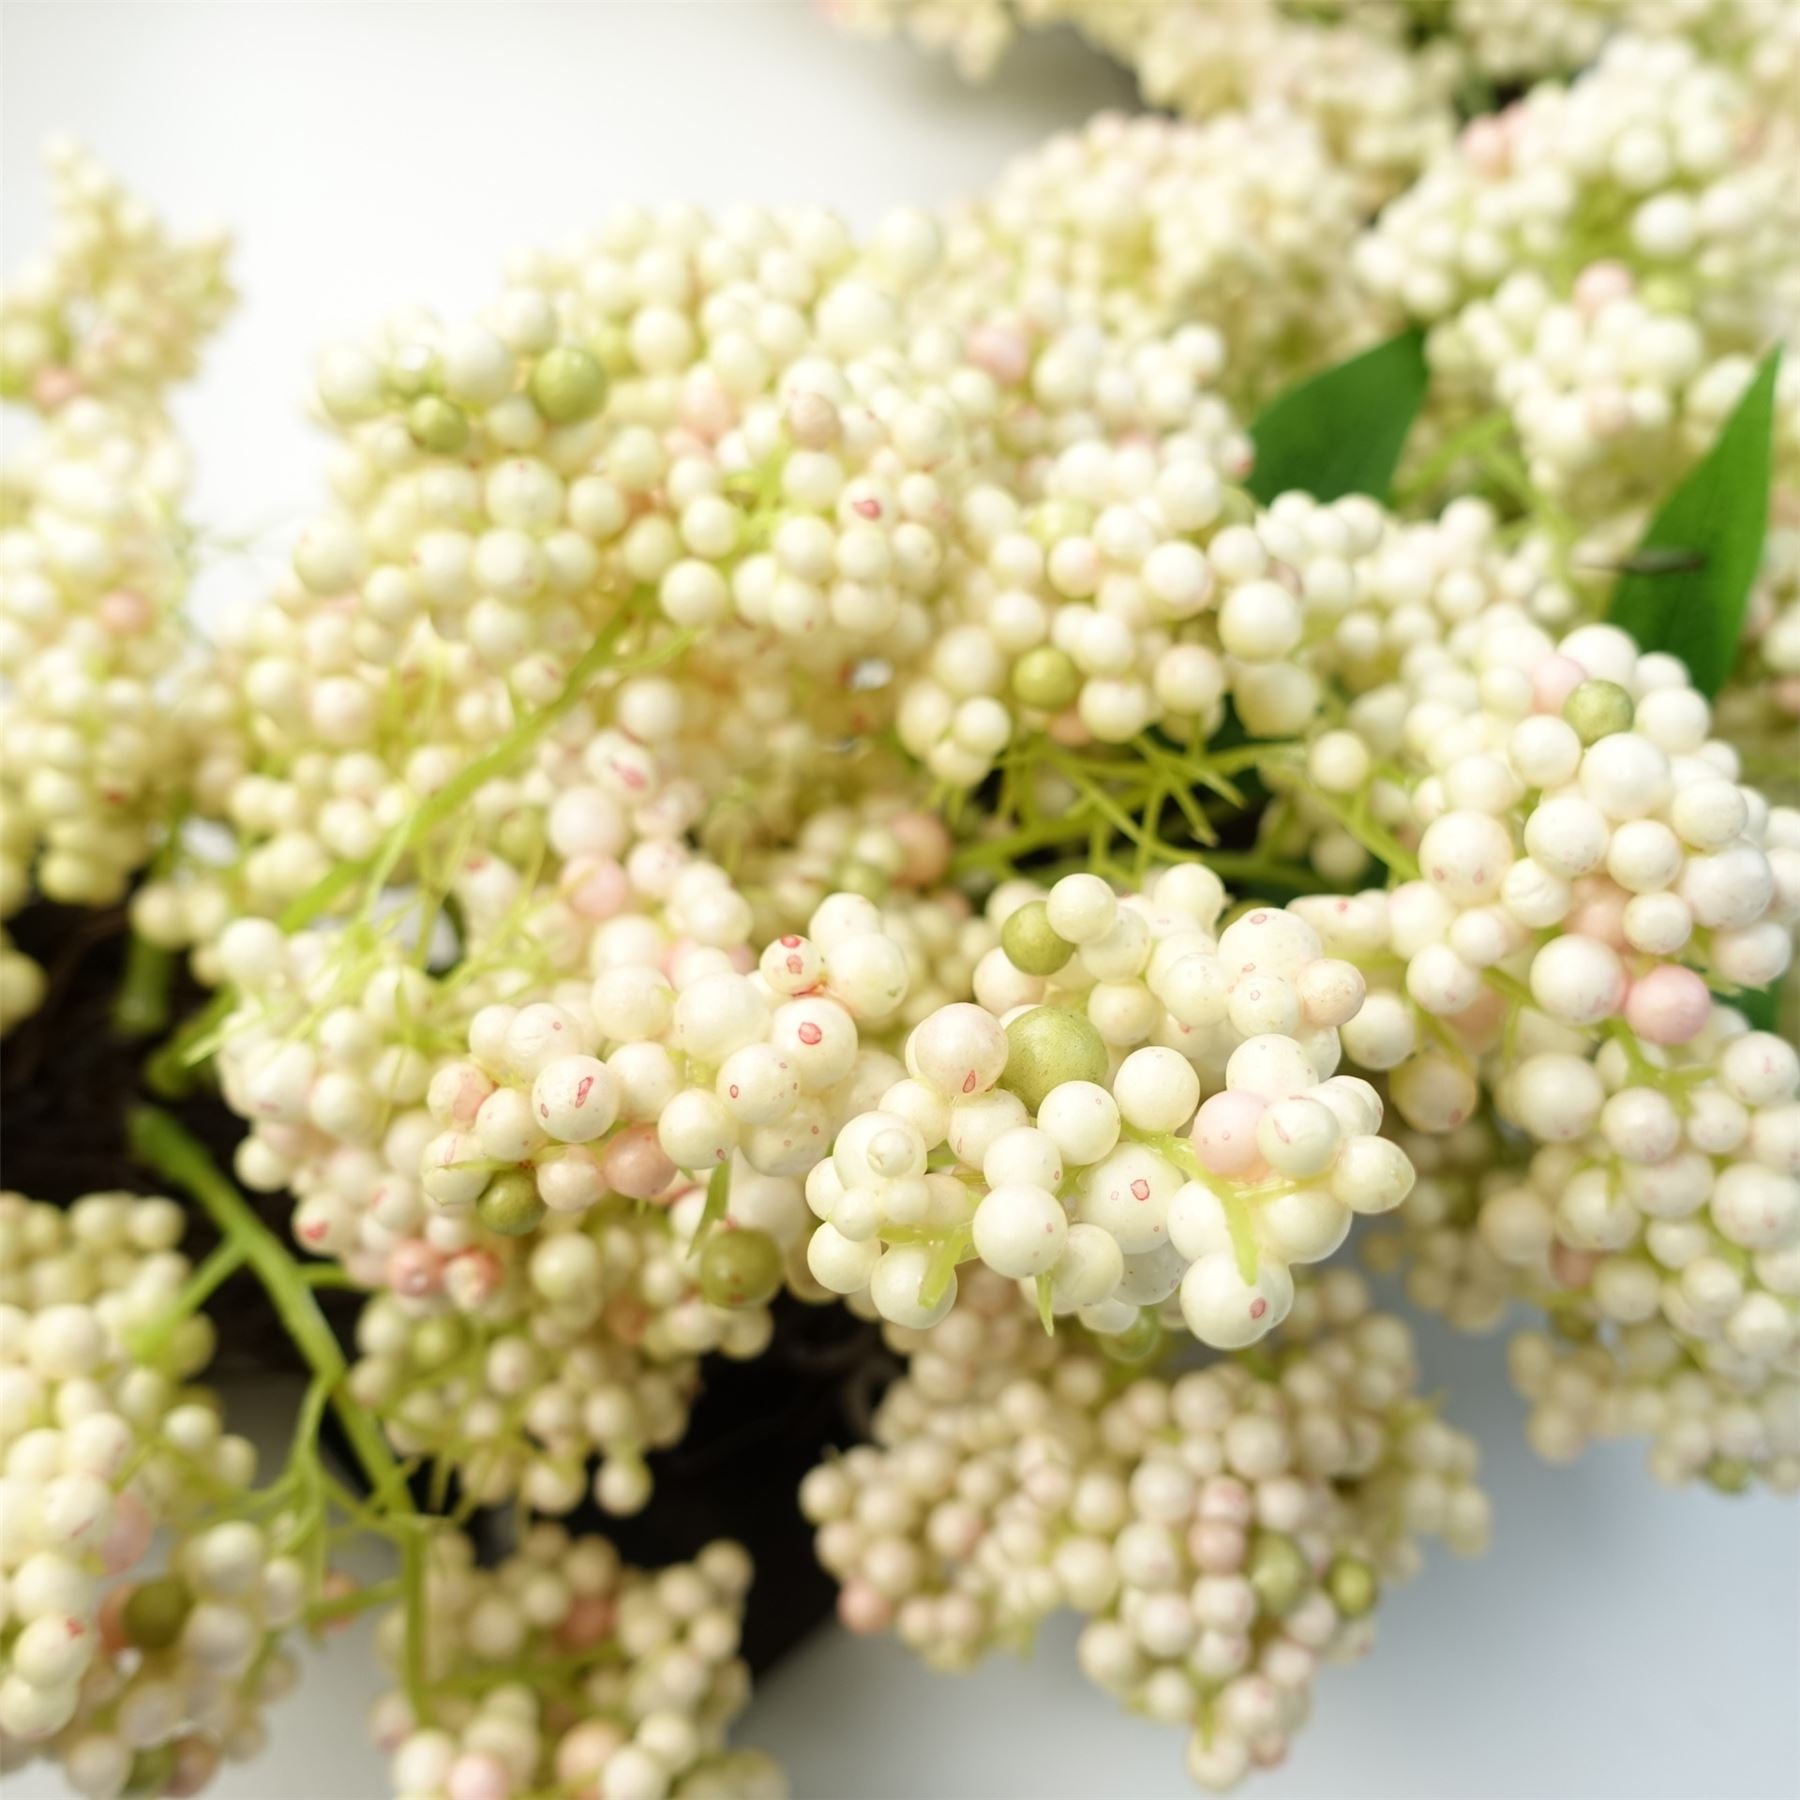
(1728, 1474)
(865, 879)
(509, 1204)
(1048, 1046)
(1031, 943)
(156, 1612)
(437, 1341)
(1278, 1572)
(151, 1770)
(437, 425)
(521, 837)
(1352, 1586)
(568, 384)
(1571, 1327)
(1045, 678)
(740, 1268)
(1597, 709)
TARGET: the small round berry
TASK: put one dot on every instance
(1048, 1046)
(1031, 942)
(1597, 709)
(510, 1204)
(740, 1268)
(568, 384)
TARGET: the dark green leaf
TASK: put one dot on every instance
(1761, 1006)
(1685, 588)
(1342, 431)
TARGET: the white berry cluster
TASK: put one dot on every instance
(1667, 1188)
(116, 307)
(530, 1183)
(696, 1069)
(1135, 1102)
(1224, 1530)
(1589, 871)
(1600, 264)
(94, 554)
(1242, 223)
(564, 1671)
(1516, 40)
(1382, 106)
(1643, 1383)
(518, 1365)
(132, 1679)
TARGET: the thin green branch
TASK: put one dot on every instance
(165, 1146)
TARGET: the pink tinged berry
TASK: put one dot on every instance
(1553, 679)
(1600, 284)
(1224, 1134)
(925, 845)
(1670, 1005)
(339, 1584)
(1599, 912)
(634, 1164)
(125, 612)
(415, 1269)
(597, 888)
(1572, 1268)
(478, 1775)
(863, 1610)
(54, 388)
(473, 1276)
(589, 1622)
(114, 1637)
(196, 1763)
(128, 1535)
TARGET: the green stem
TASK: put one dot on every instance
(462, 787)
(1483, 434)
(142, 1008)
(166, 1072)
(347, 1606)
(162, 1144)
(150, 1342)
(1234, 1205)
(412, 1586)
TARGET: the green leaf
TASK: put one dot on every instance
(1342, 431)
(1688, 583)
(1761, 1006)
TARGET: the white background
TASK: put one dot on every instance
(1619, 1643)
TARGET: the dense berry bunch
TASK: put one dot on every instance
(1131, 1105)
(129, 1677)
(1225, 1531)
(646, 1679)
(1382, 107)
(736, 793)
(94, 552)
(1600, 264)
(117, 307)
(1242, 223)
